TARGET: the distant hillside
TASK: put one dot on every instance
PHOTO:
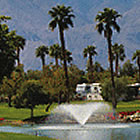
(30, 18)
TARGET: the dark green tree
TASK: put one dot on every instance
(118, 54)
(123, 92)
(41, 51)
(33, 75)
(75, 77)
(136, 55)
(7, 50)
(90, 51)
(128, 69)
(30, 94)
(69, 58)
(97, 67)
(54, 84)
(55, 52)
(106, 23)
(19, 43)
(62, 17)
(10, 85)
(7, 89)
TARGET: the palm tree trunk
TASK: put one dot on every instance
(90, 76)
(60, 98)
(91, 63)
(64, 56)
(49, 105)
(116, 64)
(43, 61)
(139, 67)
(9, 101)
(18, 59)
(56, 61)
(139, 73)
(114, 102)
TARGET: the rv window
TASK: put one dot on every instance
(80, 87)
(87, 88)
(95, 88)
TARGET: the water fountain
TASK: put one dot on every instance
(80, 113)
(84, 122)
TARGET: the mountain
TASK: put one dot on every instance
(30, 19)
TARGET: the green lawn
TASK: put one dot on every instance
(128, 106)
(13, 136)
(11, 113)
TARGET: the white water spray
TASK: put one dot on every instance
(82, 112)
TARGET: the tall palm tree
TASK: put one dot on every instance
(118, 54)
(19, 43)
(62, 17)
(136, 55)
(55, 52)
(89, 51)
(41, 51)
(106, 23)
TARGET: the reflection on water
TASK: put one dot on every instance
(99, 134)
(76, 132)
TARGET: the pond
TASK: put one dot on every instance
(99, 131)
(81, 122)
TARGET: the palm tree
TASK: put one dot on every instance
(55, 52)
(62, 17)
(97, 67)
(136, 55)
(90, 52)
(68, 56)
(41, 51)
(106, 23)
(19, 43)
(118, 54)
(4, 18)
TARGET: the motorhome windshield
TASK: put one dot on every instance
(83, 88)
(80, 88)
(87, 88)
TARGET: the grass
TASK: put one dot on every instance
(13, 136)
(128, 106)
(11, 113)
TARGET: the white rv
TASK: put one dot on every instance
(89, 91)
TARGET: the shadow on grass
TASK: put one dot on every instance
(37, 119)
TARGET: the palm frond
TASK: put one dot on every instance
(99, 28)
(62, 16)
(53, 24)
(115, 26)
